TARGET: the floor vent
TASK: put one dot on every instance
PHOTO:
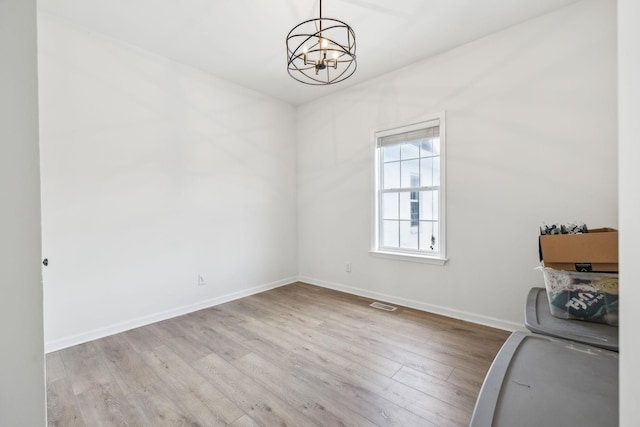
(382, 306)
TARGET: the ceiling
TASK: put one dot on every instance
(243, 41)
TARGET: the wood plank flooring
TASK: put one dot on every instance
(298, 355)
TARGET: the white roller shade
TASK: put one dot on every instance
(426, 130)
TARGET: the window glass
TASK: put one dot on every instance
(391, 234)
(390, 206)
(409, 173)
(392, 153)
(392, 175)
(428, 236)
(426, 172)
(410, 150)
(408, 235)
(429, 205)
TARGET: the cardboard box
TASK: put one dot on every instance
(596, 250)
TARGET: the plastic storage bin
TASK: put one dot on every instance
(538, 319)
(536, 380)
(582, 296)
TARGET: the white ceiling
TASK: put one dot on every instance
(243, 41)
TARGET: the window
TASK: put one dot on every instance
(409, 182)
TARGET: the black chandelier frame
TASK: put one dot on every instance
(310, 65)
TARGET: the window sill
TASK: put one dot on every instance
(424, 259)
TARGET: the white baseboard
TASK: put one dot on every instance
(94, 334)
(430, 308)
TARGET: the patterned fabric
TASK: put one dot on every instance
(584, 305)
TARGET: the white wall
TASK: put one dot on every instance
(153, 173)
(629, 128)
(22, 385)
(531, 128)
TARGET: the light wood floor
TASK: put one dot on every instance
(298, 355)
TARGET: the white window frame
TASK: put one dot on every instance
(376, 226)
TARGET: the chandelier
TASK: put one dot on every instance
(321, 51)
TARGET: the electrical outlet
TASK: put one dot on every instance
(201, 280)
(348, 267)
